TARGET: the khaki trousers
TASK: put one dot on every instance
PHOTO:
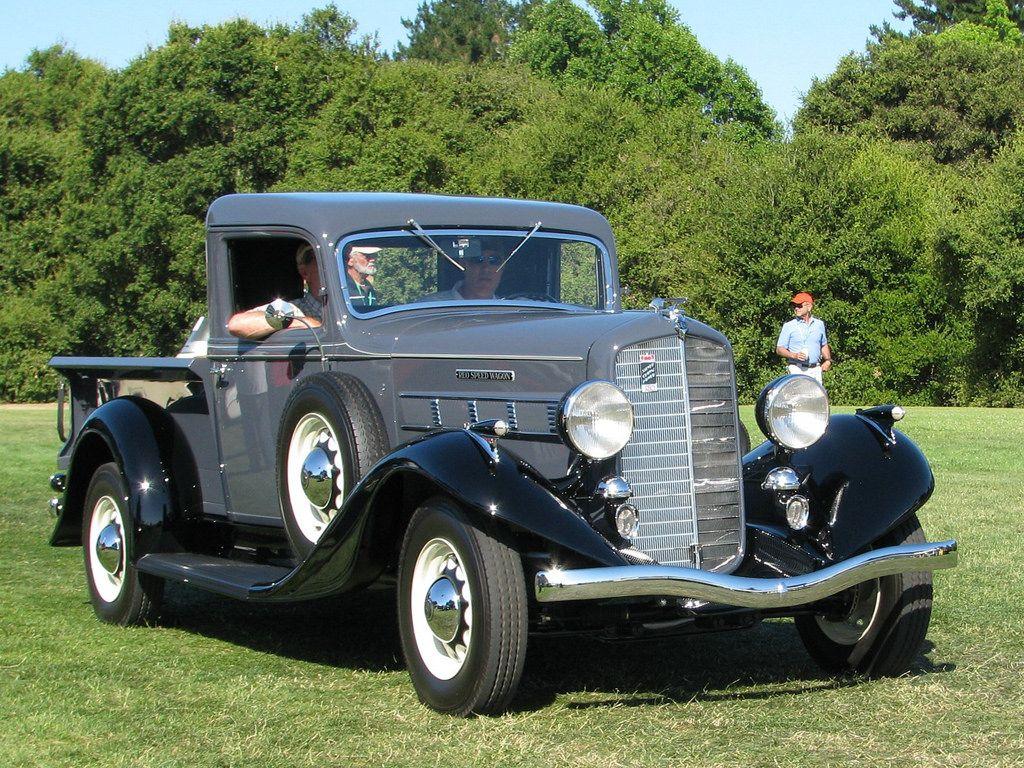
(814, 373)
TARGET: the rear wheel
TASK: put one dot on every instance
(883, 624)
(119, 593)
(462, 612)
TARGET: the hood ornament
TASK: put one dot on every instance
(673, 310)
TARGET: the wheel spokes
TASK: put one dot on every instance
(442, 608)
(315, 465)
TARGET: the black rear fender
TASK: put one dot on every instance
(142, 440)
(506, 496)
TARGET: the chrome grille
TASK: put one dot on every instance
(682, 460)
(716, 460)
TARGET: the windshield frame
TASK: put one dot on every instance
(606, 298)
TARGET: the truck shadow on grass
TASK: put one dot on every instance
(359, 631)
(356, 631)
(765, 662)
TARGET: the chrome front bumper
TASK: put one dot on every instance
(556, 586)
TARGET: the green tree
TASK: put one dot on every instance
(852, 220)
(42, 173)
(958, 95)
(980, 253)
(561, 41)
(105, 177)
(930, 16)
(110, 175)
(642, 49)
(412, 127)
(469, 31)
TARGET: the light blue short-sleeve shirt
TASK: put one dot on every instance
(798, 336)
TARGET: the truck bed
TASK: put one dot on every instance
(175, 384)
(154, 368)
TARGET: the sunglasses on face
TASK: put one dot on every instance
(493, 259)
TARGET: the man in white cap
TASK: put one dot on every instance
(252, 323)
(360, 268)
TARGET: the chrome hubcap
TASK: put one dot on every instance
(318, 475)
(443, 609)
(109, 546)
(315, 475)
(106, 554)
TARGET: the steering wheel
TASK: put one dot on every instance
(533, 296)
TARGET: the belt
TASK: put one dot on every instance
(808, 365)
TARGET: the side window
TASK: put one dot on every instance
(264, 269)
(579, 274)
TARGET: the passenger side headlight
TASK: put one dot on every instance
(596, 419)
(793, 411)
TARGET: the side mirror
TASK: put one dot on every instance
(280, 314)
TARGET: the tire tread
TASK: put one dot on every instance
(501, 606)
(896, 653)
(893, 652)
(511, 608)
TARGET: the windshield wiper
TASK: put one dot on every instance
(522, 242)
(422, 235)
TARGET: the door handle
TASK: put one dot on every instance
(218, 370)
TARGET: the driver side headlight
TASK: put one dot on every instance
(596, 419)
(793, 411)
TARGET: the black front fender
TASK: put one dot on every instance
(506, 491)
(860, 485)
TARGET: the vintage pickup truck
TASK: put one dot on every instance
(445, 394)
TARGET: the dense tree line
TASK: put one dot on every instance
(898, 200)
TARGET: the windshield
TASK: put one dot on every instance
(396, 270)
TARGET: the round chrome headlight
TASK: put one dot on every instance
(793, 411)
(596, 419)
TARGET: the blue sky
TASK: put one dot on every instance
(783, 44)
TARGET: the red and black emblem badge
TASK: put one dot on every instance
(648, 373)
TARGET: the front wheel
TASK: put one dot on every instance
(462, 612)
(881, 627)
(119, 593)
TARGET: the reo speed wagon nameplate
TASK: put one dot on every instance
(464, 374)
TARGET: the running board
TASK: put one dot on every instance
(234, 578)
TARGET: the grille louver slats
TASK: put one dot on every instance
(682, 460)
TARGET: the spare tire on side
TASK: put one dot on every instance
(331, 433)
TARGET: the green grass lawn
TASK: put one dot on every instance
(220, 683)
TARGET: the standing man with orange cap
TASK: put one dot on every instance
(803, 343)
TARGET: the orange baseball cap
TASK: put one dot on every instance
(801, 297)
